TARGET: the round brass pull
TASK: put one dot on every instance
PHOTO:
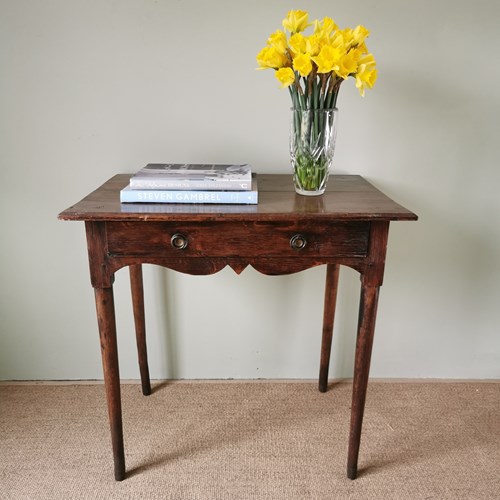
(298, 242)
(179, 241)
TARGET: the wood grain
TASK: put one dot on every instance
(347, 197)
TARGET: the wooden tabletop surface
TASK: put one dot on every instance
(348, 197)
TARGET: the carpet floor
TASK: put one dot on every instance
(274, 440)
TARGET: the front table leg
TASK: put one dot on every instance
(107, 333)
(364, 343)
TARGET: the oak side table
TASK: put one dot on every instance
(285, 233)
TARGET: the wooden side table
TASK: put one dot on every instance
(285, 233)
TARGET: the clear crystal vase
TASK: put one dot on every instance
(312, 145)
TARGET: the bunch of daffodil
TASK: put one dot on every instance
(314, 66)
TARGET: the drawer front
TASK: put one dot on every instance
(238, 239)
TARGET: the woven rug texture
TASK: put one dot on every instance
(251, 440)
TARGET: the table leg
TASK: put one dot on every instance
(364, 343)
(332, 278)
(107, 333)
(136, 286)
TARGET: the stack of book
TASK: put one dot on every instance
(192, 183)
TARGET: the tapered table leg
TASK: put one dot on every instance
(136, 286)
(107, 333)
(364, 343)
(332, 279)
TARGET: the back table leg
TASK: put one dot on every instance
(136, 285)
(332, 278)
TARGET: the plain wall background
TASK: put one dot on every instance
(93, 88)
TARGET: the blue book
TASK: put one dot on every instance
(131, 195)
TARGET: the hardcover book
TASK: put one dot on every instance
(192, 176)
(131, 195)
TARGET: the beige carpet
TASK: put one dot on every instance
(264, 440)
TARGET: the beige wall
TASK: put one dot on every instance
(92, 88)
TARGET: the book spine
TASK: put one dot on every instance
(174, 196)
(219, 185)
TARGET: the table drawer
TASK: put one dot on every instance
(238, 239)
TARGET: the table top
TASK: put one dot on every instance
(347, 197)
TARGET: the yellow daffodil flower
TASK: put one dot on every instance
(328, 58)
(297, 43)
(359, 34)
(286, 76)
(278, 41)
(270, 57)
(312, 44)
(303, 64)
(365, 79)
(296, 21)
(340, 40)
(325, 27)
(348, 64)
(367, 60)
(366, 74)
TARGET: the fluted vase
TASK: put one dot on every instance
(312, 146)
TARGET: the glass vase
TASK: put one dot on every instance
(312, 145)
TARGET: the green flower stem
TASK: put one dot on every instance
(310, 173)
(296, 105)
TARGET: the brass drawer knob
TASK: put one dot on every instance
(298, 242)
(179, 241)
